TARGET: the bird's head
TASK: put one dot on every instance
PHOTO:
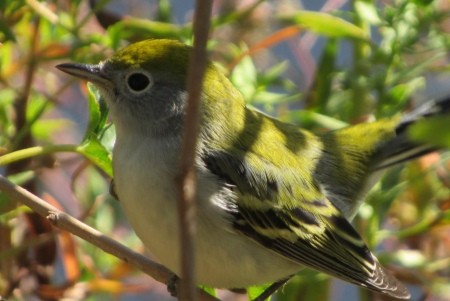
(144, 84)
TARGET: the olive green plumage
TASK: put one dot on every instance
(271, 197)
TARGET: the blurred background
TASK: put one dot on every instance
(319, 64)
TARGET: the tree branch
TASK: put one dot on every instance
(187, 185)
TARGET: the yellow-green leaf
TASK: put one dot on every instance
(326, 24)
(97, 154)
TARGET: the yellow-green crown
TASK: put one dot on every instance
(154, 55)
(170, 59)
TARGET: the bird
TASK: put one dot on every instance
(272, 197)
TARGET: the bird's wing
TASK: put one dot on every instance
(306, 227)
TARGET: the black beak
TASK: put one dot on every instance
(88, 72)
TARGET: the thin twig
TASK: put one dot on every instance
(66, 222)
(23, 136)
(187, 184)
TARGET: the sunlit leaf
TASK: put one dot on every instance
(255, 291)
(209, 290)
(9, 209)
(326, 24)
(368, 11)
(306, 285)
(410, 258)
(304, 117)
(98, 112)
(97, 154)
(139, 29)
(165, 11)
(244, 77)
(405, 90)
(274, 73)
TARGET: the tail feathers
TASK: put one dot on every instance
(384, 282)
(429, 109)
(401, 148)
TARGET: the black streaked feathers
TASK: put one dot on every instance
(237, 172)
(326, 242)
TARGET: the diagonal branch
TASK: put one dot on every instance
(66, 222)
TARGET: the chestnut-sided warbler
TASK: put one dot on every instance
(272, 197)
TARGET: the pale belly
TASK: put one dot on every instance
(224, 258)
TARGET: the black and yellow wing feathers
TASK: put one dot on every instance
(307, 228)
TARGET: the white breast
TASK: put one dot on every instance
(145, 184)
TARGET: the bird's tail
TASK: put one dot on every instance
(401, 148)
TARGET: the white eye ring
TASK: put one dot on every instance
(139, 81)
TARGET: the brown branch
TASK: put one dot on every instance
(187, 180)
(66, 222)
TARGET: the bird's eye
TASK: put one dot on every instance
(138, 82)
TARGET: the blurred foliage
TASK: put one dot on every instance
(345, 64)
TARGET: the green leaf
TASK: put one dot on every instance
(244, 77)
(312, 118)
(22, 177)
(139, 29)
(405, 90)
(94, 110)
(164, 11)
(9, 209)
(98, 112)
(323, 82)
(209, 290)
(409, 258)
(327, 25)
(424, 2)
(433, 131)
(273, 74)
(368, 12)
(273, 98)
(306, 285)
(115, 35)
(255, 291)
(97, 154)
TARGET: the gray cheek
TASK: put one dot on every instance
(160, 104)
(165, 103)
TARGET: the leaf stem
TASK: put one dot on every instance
(36, 151)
